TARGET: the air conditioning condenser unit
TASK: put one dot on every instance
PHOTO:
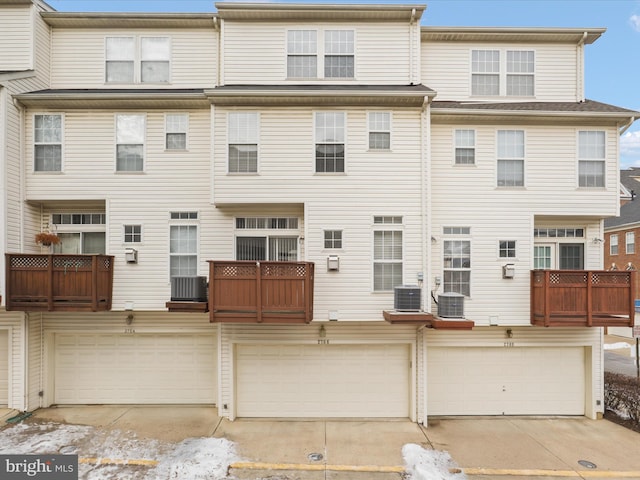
(451, 305)
(188, 289)
(407, 298)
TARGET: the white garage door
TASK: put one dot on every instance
(505, 381)
(322, 380)
(4, 367)
(137, 368)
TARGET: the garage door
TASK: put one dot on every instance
(4, 367)
(322, 380)
(138, 368)
(505, 381)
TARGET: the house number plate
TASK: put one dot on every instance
(509, 344)
(130, 330)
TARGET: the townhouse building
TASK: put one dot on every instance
(295, 210)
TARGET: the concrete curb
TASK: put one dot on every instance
(320, 467)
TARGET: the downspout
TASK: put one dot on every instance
(21, 109)
(216, 27)
(412, 21)
(580, 69)
(425, 198)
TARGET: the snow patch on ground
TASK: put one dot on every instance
(193, 458)
(616, 346)
(422, 464)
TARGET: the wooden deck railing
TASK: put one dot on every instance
(58, 282)
(562, 298)
(261, 292)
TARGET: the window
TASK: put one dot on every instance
(457, 261)
(558, 232)
(591, 158)
(630, 243)
(132, 233)
(330, 142)
(302, 49)
(80, 233)
(510, 158)
(613, 245)
(507, 249)
(338, 54)
(379, 130)
(130, 143)
(333, 239)
(120, 59)
(47, 135)
(465, 145)
(176, 127)
(571, 256)
(542, 257)
(485, 72)
(275, 223)
(183, 244)
(511, 73)
(123, 53)
(267, 248)
(243, 142)
(387, 259)
(154, 59)
(520, 69)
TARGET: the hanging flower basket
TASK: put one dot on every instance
(47, 238)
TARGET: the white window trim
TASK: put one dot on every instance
(613, 244)
(320, 54)
(186, 222)
(389, 227)
(115, 145)
(502, 73)
(515, 248)
(33, 143)
(627, 243)
(315, 142)
(124, 241)
(137, 60)
(524, 160)
(460, 237)
(475, 147)
(258, 149)
(390, 131)
(604, 160)
(166, 132)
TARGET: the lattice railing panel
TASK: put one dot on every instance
(284, 270)
(72, 262)
(38, 263)
(239, 270)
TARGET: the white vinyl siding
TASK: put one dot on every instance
(591, 158)
(381, 55)
(78, 58)
(446, 68)
(4, 367)
(16, 40)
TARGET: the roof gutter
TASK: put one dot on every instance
(626, 126)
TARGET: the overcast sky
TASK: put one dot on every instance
(612, 72)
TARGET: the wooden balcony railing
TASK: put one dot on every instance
(261, 292)
(562, 298)
(58, 282)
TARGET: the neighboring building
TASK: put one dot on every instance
(622, 232)
(384, 163)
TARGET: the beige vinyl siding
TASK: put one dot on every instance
(375, 183)
(13, 324)
(590, 338)
(35, 346)
(467, 196)
(111, 323)
(446, 67)
(337, 334)
(381, 52)
(16, 42)
(78, 57)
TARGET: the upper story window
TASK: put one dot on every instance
(630, 243)
(495, 73)
(330, 142)
(613, 244)
(243, 142)
(465, 145)
(183, 244)
(335, 47)
(338, 54)
(176, 128)
(132, 233)
(379, 130)
(507, 248)
(302, 54)
(47, 136)
(456, 260)
(130, 135)
(333, 239)
(591, 158)
(510, 158)
(137, 59)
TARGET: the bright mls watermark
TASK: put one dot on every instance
(50, 467)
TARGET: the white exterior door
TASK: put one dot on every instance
(505, 381)
(322, 380)
(138, 368)
(4, 367)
